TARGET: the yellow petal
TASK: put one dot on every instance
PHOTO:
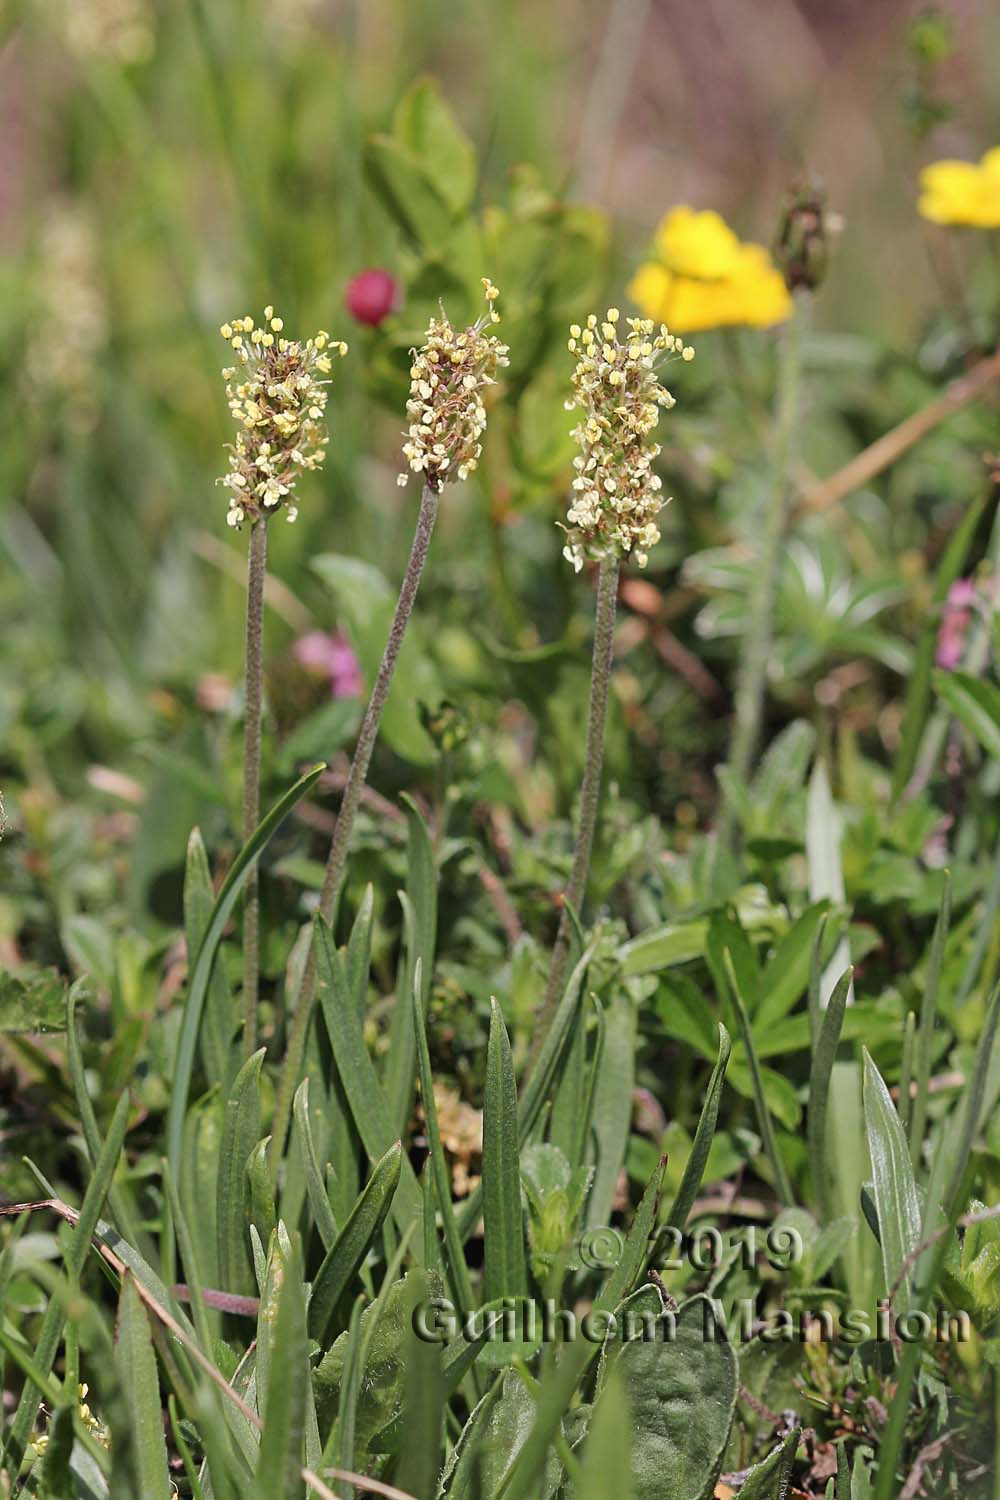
(958, 192)
(696, 244)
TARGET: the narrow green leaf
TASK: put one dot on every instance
(365, 1095)
(119, 1199)
(319, 1202)
(763, 1112)
(218, 1021)
(820, 1070)
(896, 1197)
(976, 704)
(458, 1274)
(423, 1408)
(201, 971)
(505, 1273)
(787, 974)
(139, 1456)
(928, 1013)
(240, 1130)
(278, 1474)
(606, 1460)
(79, 1247)
(770, 1479)
(636, 1250)
(351, 1245)
(260, 1196)
(420, 930)
(543, 1077)
(691, 1181)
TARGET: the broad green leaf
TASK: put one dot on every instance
(260, 1194)
(486, 1456)
(505, 1272)
(681, 1388)
(240, 1131)
(611, 1118)
(139, 1454)
(663, 947)
(896, 1197)
(424, 124)
(201, 971)
(976, 704)
(407, 190)
(352, 1244)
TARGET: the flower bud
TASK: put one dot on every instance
(372, 295)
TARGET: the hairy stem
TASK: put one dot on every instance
(337, 858)
(256, 571)
(759, 637)
(590, 787)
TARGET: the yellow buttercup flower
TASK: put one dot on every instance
(703, 277)
(962, 192)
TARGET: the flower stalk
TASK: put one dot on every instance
(278, 401)
(590, 786)
(447, 417)
(613, 512)
(252, 716)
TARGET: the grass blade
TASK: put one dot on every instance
(505, 1273)
(201, 973)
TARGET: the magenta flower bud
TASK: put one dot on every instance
(372, 295)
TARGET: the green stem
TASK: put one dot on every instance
(256, 573)
(590, 787)
(759, 637)
(337, 858)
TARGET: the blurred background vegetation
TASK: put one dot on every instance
(169, 165)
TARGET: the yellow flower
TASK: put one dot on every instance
(959, 192)
(705, 277)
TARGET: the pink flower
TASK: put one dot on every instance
(330, 655)
(962, 598)
(372, 295)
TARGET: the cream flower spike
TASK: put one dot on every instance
(278, 399)
(446, 410)
(616, 495)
